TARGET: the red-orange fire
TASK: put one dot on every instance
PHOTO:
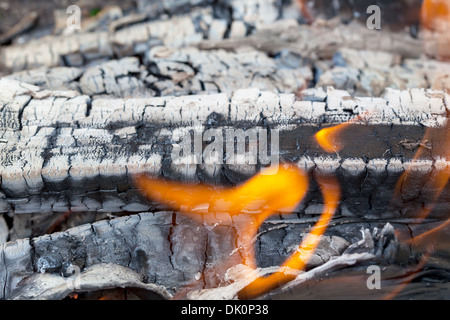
(257, 199)
(299, 259)
(330, 139)
(439, 177)
(435, 20)
(435, 13)
(276, 190)
(279, 190)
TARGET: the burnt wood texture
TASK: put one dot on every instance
(82, 114)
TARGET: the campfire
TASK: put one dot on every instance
(225, 150)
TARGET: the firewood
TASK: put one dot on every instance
(158, 251)
(167, 72)
(80, 154)
(174, 72)
(75, 49)
(179, 31)
(319, 42)
(198, 149)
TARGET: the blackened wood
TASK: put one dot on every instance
(66, 152)
(167, 248)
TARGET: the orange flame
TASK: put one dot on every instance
(257, 199)
(435, 19)
(439, 176)
(330, 138)
(299, 259)
(433, 11)
(269, 192)
(260, 197)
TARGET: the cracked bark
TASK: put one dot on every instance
(272, 36)
(173, 262)
(74, 152)
(177, 72)
(170, 259)
(60, 159)
(320, 41)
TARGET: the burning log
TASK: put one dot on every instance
(174, 256)
(170, 179)
(158, 251)
(64, 152)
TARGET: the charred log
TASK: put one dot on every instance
(64, 152)
(159, 251)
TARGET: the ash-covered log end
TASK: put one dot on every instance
(100, 277)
